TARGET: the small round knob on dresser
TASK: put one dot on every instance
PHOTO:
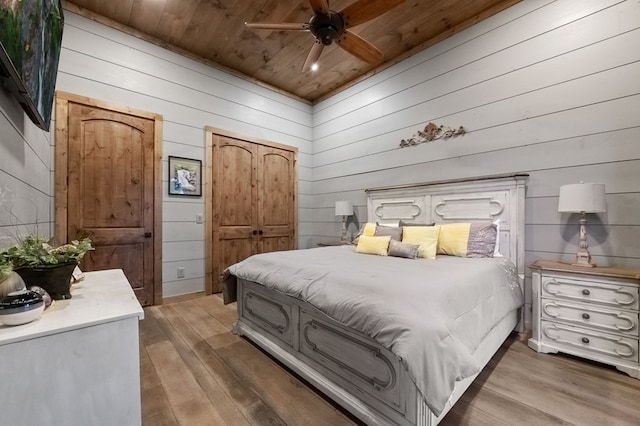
(585, 340)
(586, 316)
(586, 292)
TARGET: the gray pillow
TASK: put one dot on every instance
(398, 249)
(395, 232)
(403, 223)
(482, 239)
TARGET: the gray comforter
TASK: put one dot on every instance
(432, 314)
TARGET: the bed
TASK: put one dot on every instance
(388, 346)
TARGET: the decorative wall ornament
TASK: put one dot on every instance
(430, 133)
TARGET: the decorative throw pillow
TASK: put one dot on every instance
(373, 245)
(388, 223)
(424, 236)
(496, 249)
(395, 232)
(475, 239)
(398, 249)
(403, 223)
(368, 229)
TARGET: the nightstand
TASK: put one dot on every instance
(587, 312)
(333, 243)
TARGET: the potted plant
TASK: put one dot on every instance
(9, 280)
(42, 264)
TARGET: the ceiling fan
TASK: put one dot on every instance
(328, 26)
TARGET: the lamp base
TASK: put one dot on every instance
(343, 236)
(584, 264)
(583, 257)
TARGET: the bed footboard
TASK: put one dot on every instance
(355, 371)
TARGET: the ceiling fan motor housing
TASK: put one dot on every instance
(326, 28)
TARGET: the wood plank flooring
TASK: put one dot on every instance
(196, 372)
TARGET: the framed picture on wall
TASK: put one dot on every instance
(185, 176)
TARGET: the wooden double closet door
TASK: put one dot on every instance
(253, 204)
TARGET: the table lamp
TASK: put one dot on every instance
(344, 209)
(582, 198)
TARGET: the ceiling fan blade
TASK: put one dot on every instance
(320, 6)
(313, 56)
(360, 48)
(281, 27)
(365, 10)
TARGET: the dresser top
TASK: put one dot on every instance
(614, 272)
(103, 296)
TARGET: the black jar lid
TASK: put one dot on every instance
(20, 301)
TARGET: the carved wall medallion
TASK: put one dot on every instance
(430, 133)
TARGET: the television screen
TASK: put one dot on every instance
(30, 42)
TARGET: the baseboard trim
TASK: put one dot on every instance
(183, 297)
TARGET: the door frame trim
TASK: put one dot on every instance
(61, 162)
(208, 197)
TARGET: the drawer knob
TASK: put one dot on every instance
(586, 292)
(586, 316)
(585, 340)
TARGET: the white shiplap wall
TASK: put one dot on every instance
(102, 63)
(549, 88)
(545, 87)
(25, 176)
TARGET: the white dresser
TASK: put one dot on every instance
(588, 312)
(79, 364)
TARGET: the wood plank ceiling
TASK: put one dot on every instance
(213, 31)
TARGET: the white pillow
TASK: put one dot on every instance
(389, 223)
(496, 249)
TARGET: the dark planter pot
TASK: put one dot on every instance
(55, 279)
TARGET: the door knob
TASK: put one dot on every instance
(147, 234)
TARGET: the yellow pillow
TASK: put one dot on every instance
(454, 238)
(424, 236)
(369, 229)
(373, 245)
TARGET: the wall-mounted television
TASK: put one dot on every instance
(30, 43)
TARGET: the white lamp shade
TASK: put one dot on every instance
(344, 208)
(582, 197)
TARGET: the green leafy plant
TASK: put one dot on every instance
(34, 251)
(6, 268)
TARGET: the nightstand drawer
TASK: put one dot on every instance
(606, 319)
(599, 292)
(581, 341)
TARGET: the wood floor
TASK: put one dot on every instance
(195, 372)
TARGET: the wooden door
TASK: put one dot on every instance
(252, 208)
(234, 194)
(111, 182)
(276, 199)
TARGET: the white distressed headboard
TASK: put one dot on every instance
(478, 199)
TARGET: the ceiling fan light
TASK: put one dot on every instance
(326, 35)
(326, 28)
